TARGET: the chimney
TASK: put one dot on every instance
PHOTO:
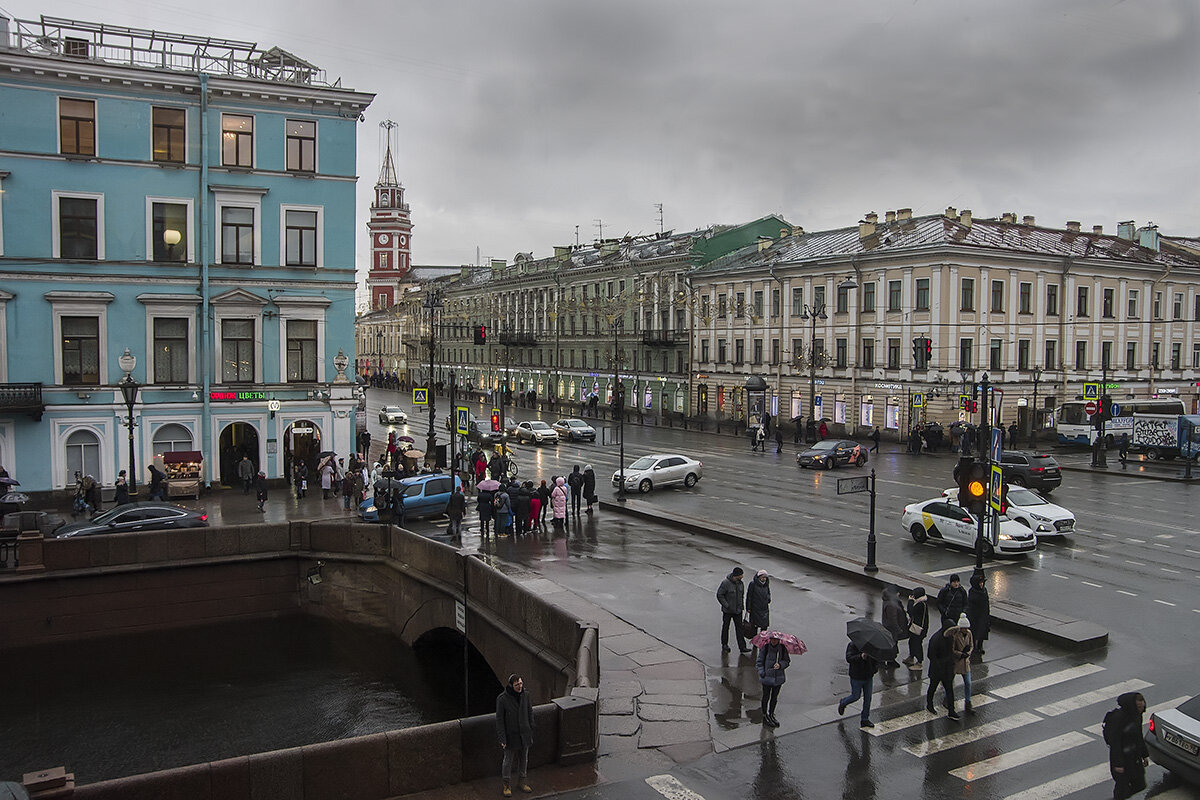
(1009, 217)
(1072, 226)
(965, 217)
(562, 252)
(1027, 220)
(784, 232)
(1148, 237)
(951, 212)
(463, 272)
(903, 214)
(1125, 230)
(499, 263)
(872, 217)
(797, 230)
(866, 229)
(889, 217)
(1098, 230)
(764, 242)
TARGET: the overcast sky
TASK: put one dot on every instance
(520, 120)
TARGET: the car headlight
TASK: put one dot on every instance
(1004, 537)
(369, 510)
(1043, 528)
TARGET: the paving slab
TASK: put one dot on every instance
(661, 734)
(611, 662)
(662, 686)
(690, 700)
(624, 644)
(617, 687)
(653, 712)
(619, 725)
(657, 655)
(673, 670)
(687, 753)
(616, 705)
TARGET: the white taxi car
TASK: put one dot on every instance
(1033, 511)
(949, 522)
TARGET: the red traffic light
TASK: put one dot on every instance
(495, 422)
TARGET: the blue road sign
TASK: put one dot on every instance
(462, 415)
(918, 400)
(1114, 409)
(996, 449)
(420, 397)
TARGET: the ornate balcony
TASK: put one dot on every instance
(667, 338)
(518, 339)
(22, 397)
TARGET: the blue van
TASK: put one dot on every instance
(424, 495)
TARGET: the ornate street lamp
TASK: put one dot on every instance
(814, 313)
(617, 322)
(129, 390)
(1033, 424)
(433, 302)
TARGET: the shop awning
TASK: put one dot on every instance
(182, 456)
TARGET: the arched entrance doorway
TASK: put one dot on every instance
(301, 444)
(237, 439)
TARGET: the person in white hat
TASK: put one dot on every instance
(963, 643)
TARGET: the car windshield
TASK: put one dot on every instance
(390, 409)
(539, 426)
(108, 516)
(1024, 497)
(577, 423)
(645, 462)
(829, 445)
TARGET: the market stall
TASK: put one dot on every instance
(183, 472)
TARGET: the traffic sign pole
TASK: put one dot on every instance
(871, 567)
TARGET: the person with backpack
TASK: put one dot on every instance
(1127, 753)
(918, 628)
(456, 509)
(485, 505)
(952, 599)
(894, 619)
(941, 668)
(961, 642)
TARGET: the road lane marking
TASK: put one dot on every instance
(1099, 726)
(1109, 535)
(1136, 541)
(1101, 555)
(1172, 571)
(920, 717)
(1165, 536)
(1091, 698)
(1135, 563)
(670, 788)
(1160, 544)
(1165, 603)
(959, 738)
(1031, 569)
(1033, 684)
(1021, 756)
(1089, 583)
(1075, 782)
(1127, 594)
(1056, 575)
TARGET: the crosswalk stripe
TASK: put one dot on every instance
(1069, 784)
(1099, 726)
(1053, 678)
(1091, 698)
(919, 717)
(922, 749)
(670, 788)
(1021, 756)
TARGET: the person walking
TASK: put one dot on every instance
(862, 683)
(1127, 753)
(979, 612)
(260, 490)
(759, 440)
(1012, 433)
(952, 599)
(772, 662)
(575, 481)
(558, 502)
(514, 729)
(121, 495)
(326, 478)
(245, 471)
(347, 489)
(894, 619)
(941, 668)
(962, 643)
(157, 483)
(1123, 448)
(824, 430)
(589, 487)
(758, 600)
(918, 628)
(456, 509)
(778, 440)
(874, 448)
(729, 595)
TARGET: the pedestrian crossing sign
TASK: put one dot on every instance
(964, 402)
(420, 397)
(918, 400)
(461, 418)
(1091, 391)
(997, 487)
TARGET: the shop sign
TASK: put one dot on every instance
(300, 431)
(237, 395)
(895, 386)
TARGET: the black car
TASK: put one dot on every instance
(830, 453)
(146, 516)
(1035, 470)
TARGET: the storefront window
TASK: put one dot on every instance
(866, 413)
(891, 419)
(839, 409)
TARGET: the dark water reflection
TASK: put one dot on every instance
(139, 703)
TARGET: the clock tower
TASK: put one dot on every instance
(391, 233)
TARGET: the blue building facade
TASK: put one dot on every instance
(190, 201)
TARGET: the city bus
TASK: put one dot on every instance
(1074, 426)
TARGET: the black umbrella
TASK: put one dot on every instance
(7, 481)
(324, 453)
(872, 638)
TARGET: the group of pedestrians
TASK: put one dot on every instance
(748, 610)
(513, 508)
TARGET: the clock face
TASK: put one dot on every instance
(382, 238)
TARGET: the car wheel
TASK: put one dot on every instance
(1152, 454)
(690, 480)
(919, 533)
(1016, 480)
(829, 464)
(988, 550)
(858, 462)
(645, 486)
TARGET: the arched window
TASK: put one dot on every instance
(83, 455)
(172, 437)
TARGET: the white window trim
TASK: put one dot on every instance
(316, 146)
(103, 429)
(253, 141)
(236, 311)
(95, 126)
(300, 308)
(234, 199)
(55, 230)
(79, 304)
(189, 424)
(3, 175)
(189, 243)
(186, 136)
(320, 210)
(4, 340)
(170, 308)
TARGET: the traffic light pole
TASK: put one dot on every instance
(453, 432)
(985, 447)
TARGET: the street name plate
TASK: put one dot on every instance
(852, 485)
(460, 616)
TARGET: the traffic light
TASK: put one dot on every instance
(481, 334)
(928, 350)
(973, 487)
(919, 352)
(495, 420)
(973, 406)
(1003, 498)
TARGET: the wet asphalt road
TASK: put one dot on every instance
(1132, 566)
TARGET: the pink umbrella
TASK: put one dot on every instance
(790, 642)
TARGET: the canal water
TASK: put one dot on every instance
(131, 704)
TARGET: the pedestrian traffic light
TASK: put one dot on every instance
(495, 420)
(973, 487)
(481, 334)
(973, 406)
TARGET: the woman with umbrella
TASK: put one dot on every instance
(773, 659)
(870, 643)
(483, 504)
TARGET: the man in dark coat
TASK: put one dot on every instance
(589, 487)
(514, 729)
(1127, 753)
(941, 668)
(952, 599)
(575, 481)
(455, 509)
(729, 595)
(520, 497)
(758, 600)
(121, 496)
(862, 679)
(979, 612)
(157, 489)
(894, 619)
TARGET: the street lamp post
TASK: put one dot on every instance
(814, 313)
(433, 302)
(986, 448)
(129, 390)
(618, 401)
(1033, 417)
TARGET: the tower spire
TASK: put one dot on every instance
(387, 174)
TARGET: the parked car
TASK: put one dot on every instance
(650, 472)
(424, 495)
(1033, 511)
(478, 431)
(536, 432)
(951, 523)
(1173, 740)
(1035, 470)
(830, 453)
(574, 430)
(144, 516)
(392, 415)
